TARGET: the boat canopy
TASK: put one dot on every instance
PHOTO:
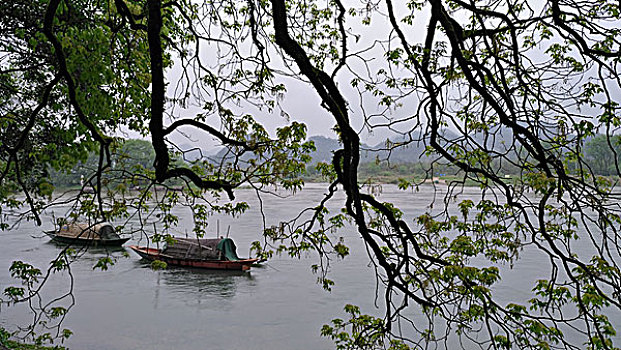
(106, 231)
(102, 230)
(227, 247)
(202, 249)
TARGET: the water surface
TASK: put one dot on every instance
(277, 306)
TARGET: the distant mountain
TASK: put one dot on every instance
(398, 150)
(192, 152)
(324, 149)
(404, 153)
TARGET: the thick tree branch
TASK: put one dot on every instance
(48, 30)
(158, 96)
(202, 126)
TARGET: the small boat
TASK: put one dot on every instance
(101, 234)
(218, 253)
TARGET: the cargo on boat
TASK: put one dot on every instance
(100, 234)
(218, 253)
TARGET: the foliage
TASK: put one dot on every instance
(602, 154)
(14, 345)
(131, 156)
(474, 72)
(367, 332)
(488, 88)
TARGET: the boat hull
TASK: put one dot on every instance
(88, 241)
(155, 254)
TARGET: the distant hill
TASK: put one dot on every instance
(405, 153)
(397, 150)
(325, 147)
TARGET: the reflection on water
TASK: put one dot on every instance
(84, 256)
(95, 249)
(200, 282)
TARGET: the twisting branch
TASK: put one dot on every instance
(127, 14)
(341, 22)
(104, 141)
(48, 30)
(202, 126)
(13, 151)
(156, 126)
(345, 161)
(578, 39)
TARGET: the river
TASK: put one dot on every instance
(277, 306)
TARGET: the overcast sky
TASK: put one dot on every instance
(302, 103)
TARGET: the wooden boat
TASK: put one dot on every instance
(101, 234)
(217, 254)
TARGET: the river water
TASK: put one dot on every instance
(277, 306)
(130, 306)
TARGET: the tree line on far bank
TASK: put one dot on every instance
(130, 155)
(602, 154)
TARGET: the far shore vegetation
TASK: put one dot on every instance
(133, 155)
